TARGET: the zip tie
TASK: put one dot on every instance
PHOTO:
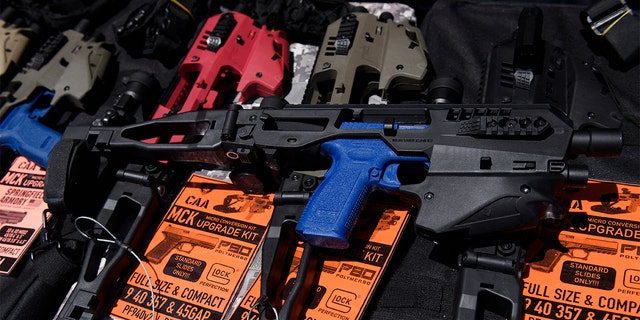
(262, 302)
(123, 246)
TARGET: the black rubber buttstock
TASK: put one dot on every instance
(70, 164)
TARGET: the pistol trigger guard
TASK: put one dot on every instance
(186, 247)
(579, 254)
(390, 179)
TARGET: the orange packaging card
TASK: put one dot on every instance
(200, 253)
(349, 277)
(587, 266)
(21, 208)
(247, 309)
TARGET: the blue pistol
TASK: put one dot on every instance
(22, 131)
(359, 166)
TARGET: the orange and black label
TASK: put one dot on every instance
(588, 275)
(21, 209)
(585, 268)
(536, 308)
(349, 277)
(200, 253)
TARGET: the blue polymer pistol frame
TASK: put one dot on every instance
(62, 76)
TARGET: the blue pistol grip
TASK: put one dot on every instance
(359, 166)
(22, 132)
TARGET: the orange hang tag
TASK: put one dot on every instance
(349, 277)
(587, 266)
(200, 253)
(21, 211)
